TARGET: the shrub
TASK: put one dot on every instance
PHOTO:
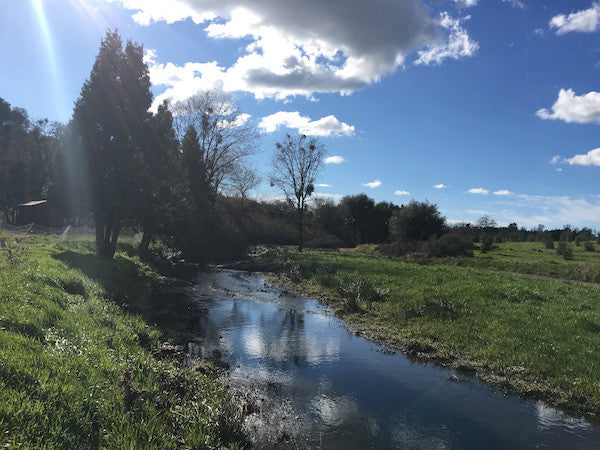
(588, 246)
(565, 250)
(450, 244)
(417, 221)
(487, 243)
(548, 242)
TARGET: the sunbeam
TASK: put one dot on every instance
(54, 70)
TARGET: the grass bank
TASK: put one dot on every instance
(80, 363)
(539, 338)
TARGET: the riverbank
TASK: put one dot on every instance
(536, 338)
(83, 357)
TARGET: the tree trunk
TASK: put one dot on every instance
(146, 239)
(300, 230)
(107, 235)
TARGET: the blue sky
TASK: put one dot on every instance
(495, 100)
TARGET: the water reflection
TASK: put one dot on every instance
(345, 393)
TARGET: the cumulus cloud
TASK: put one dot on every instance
(478, 191)
(323, 185)
(301, 48)
(574, 108)
(326, 126)
(584, 21)
(555, 160)
(591, 158)
(335, 159)
(372, 184)
(440, 186)
(458, 45)
(401, 193)
(503, 192)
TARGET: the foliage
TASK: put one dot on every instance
(449, 244)
(111, 120)
(564, 249)
(588, 246)
(417, 221)
(548, 241)
(487, 243)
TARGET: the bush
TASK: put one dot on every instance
(588, 246)
(417, 221)
(487, 243)
(450, 244)
(548, 242)
(565, 250)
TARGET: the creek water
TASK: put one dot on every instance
(332, 389)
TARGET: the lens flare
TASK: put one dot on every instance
(52, 60)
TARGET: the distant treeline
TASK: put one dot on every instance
(182, 175)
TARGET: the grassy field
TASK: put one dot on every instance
(79, 362)
(534, 336)
(534, 259)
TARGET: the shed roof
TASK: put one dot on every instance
(33, 203)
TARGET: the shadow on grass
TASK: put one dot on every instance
(142, 293)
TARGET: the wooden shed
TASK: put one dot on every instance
(35, 211)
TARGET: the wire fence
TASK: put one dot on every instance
(62, 233)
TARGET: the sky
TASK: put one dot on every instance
(479, 106)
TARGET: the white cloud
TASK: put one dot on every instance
(515, 3)
(326, 126)
(300, 48)
(335, 159)
(440, 186)
(503, 192)
(584, 21)
(555, 160)
(401, 193)
(466, 3)
(372, 184)
(458, 45)
(574, 108)
(323, 185)
(479, 191)
(553, 210)
(591, 158)
(328, 196)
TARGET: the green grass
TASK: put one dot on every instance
(534, 259)
(540, 337)
(78, 358)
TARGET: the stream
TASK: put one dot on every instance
(317, 385)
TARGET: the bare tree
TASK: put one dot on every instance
(226, 137)
(297, 163)
(242, 181)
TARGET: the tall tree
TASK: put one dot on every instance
(158, 179)
(111, 117)
(225, 136)
(297, 163)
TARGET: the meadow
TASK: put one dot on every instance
(81, 364)
(518, 317)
